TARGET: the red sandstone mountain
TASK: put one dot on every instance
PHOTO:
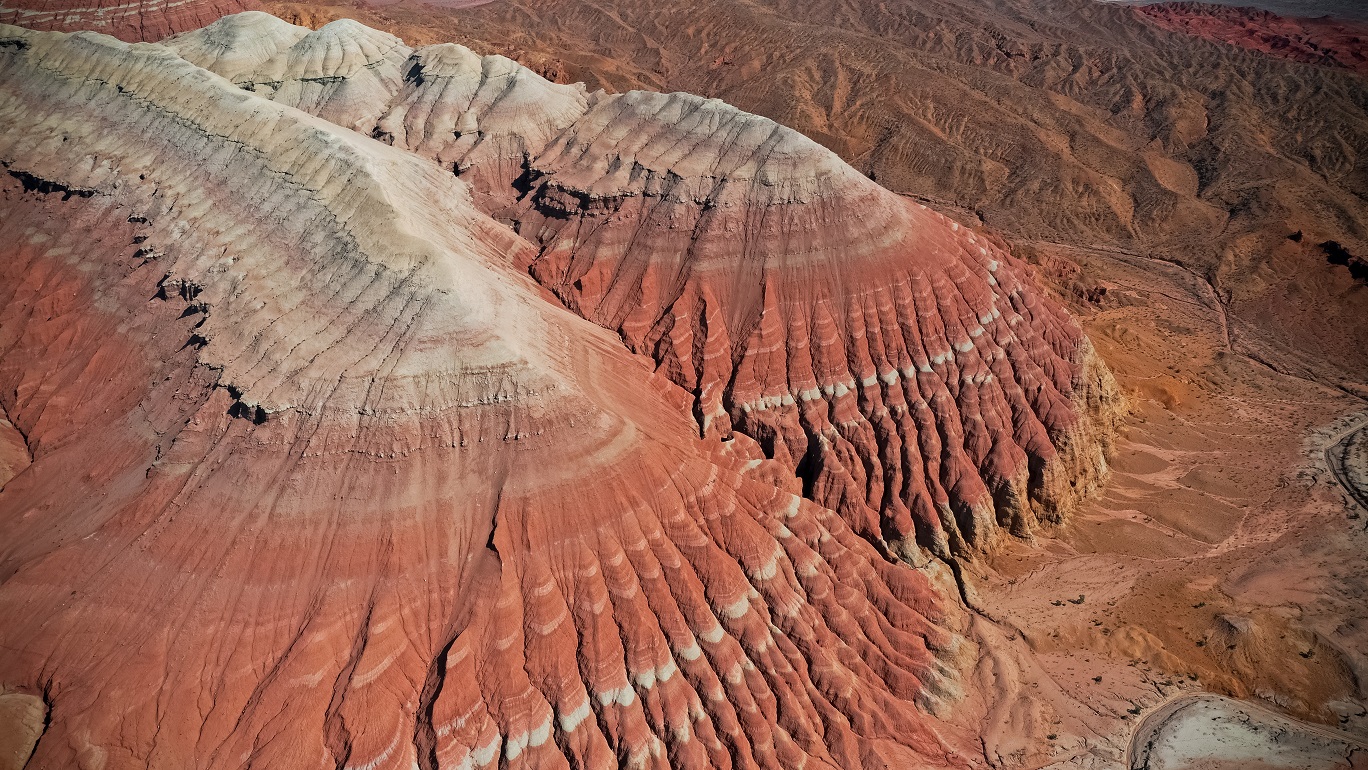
(1200, 205)
(1218, 559)
(314, 473)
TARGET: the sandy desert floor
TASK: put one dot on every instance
(1224, 556)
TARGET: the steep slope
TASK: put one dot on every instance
(145, 20)
(900, 364)
(320, 479)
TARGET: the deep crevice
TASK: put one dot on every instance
(46, 696)
(424, 733)
(336, 734)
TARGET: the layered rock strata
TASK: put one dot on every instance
(320, 478)
(138, 20)
(906, 368)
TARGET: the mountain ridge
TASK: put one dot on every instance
(287, 386)
(702, 218)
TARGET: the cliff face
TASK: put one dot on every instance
(901, 365)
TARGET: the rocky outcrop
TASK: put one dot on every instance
(139, 20)
(907, 369)
(1070, 122)
(22, 719)
(321, 479)
(903, 366)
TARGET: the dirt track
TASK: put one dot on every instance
(1346, 458)
(1282, 741)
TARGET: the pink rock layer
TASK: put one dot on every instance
(904, 367)
(320, 478)
(1327, 42)
(130, 20)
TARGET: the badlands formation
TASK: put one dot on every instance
(1059, 124)
(1326, 41)
(1199, 205)
(1195, 196)
(374, 407)
(376, 402)
(892, 359)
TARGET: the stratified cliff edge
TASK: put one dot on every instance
(901, 365)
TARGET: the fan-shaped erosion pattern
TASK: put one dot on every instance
(906, 368)
(320, 478)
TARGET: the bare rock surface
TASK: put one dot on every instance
(1074, 123)
(906, 368)
(1177, 192)
(21, 724)
(229, 560)
(321, 479)
(482, 115)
